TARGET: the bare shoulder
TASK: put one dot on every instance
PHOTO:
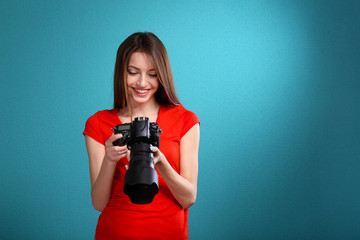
(193, 135)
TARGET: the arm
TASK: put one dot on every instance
(102, 163)
(184, 185)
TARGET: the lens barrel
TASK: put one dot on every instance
(141, 180)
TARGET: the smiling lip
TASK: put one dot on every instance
(141, 92)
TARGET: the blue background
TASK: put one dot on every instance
(274, 83)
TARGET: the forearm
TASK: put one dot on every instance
(101, 189)
(183, 190)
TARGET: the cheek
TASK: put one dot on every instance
(156, 84)
(130, 80)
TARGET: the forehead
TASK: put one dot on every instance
(141, 60)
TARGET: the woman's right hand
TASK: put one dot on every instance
(115, 153)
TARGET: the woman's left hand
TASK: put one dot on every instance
(158, 155)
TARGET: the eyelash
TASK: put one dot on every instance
(134, 73)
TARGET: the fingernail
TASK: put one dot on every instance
(152, 148)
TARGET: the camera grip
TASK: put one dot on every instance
(120, 142)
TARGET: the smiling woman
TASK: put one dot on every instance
(143, 87)
(142, 82)
(152, 51)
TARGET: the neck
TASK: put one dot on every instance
(149, 109)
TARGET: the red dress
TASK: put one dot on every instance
(164, 218)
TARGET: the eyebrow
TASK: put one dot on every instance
(139, 68)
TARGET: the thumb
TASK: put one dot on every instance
(153, 149)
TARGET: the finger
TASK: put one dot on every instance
(128, 155)
(117, 155)
(113, 138)
(153, 149)
(121, 152)
(115, 150)
(120, 148)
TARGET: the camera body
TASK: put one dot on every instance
(140, 130)
(141, 180)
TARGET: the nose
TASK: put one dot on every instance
(142, 80)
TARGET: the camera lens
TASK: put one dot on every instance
(141, 180)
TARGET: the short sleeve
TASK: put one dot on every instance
(92, 129)
(189, 119)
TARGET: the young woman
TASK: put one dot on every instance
(143, 87)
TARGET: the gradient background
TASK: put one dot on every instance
(274, 83)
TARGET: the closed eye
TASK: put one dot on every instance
(131, 73)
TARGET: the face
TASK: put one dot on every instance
(142, 80)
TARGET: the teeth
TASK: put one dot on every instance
(141, 90)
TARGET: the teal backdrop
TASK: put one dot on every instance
(274, 83)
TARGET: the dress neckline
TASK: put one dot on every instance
(115, 111)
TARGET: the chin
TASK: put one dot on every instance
(138, 100)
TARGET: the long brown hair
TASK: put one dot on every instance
(150, 44)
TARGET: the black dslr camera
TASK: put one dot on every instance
(141, 180)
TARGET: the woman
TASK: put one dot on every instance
(143, 86)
